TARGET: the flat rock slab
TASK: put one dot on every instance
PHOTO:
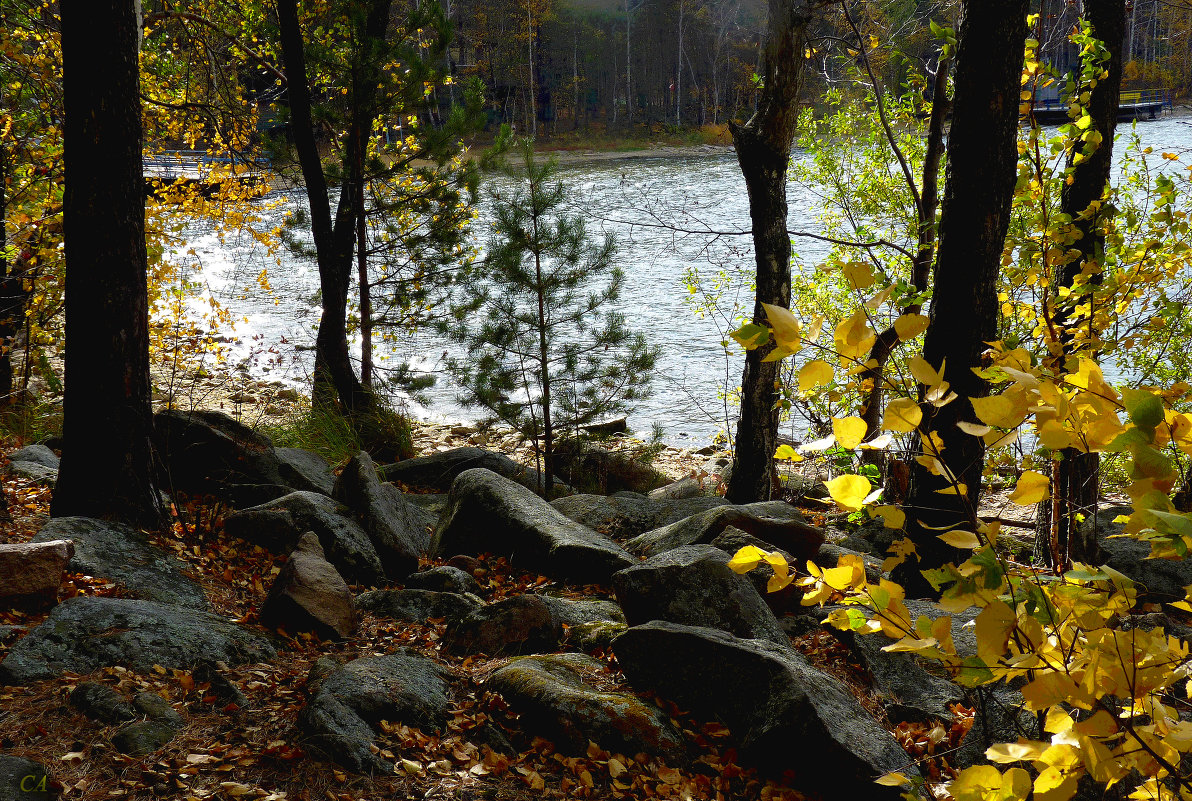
(785, 713)
(520, 624)
(444, 578)
(694, 586)
(86, 633)
(34, 569)
(278, 524)
(554, 699)
(439, 470)
(627, 515)
(417, 605)
(775, 522)
(487, 513)
(350, 702)
(125, 555)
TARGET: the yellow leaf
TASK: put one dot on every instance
(960, 539)
(959, 488)
(993, 627)
(1032, 488)
(1016, 752)
(746, 559)
(814, 374)
(924, 373)
(892, 516)
(1053, 786)
(788, 333)
(909, 326)
(854, 337)
(1004, 411)
(1052, 435)
(976, 429)
(1050, 689)
(902, 415)
(892, 779)
(881, 297)
(913, 644)
(787, 454)
(858, 274)
(849, 491)
(849, 431)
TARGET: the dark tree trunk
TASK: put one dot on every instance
(1076, 486)
(763, 151)
(107, 466)
(978, 190)
(335, 378)
(11, 296)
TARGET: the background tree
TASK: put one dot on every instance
(763, 148)
(363, 44)
(546, 355)
(107, 466)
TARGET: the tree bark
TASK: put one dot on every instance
(107, 466)
(763, 148)
(1076, 485)
(979, 187)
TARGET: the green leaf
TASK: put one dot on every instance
(1145, 409)
(751, 336)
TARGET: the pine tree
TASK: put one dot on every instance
(546, 354)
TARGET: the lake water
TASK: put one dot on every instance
(704, 194)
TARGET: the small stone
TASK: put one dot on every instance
(142, 739)
(102, 703)
(153, 706)
(33, 569)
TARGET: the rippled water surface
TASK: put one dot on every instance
(628, 198)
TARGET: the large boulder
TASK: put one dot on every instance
(24, 780)
(553, 699)
(775, 522)
(694, 586)
(303, 469)
(278, 524)
(34, 462)
(520, 624)
(87, 632)
(309, 595)
(208, 452)
(444, 578)
(34, 569)
(399, 531)
(785, 713)
(627, 514)
(417, 605)
(125, 555)
(908, 692)
(439, 470)
(487, 513)
(352, 701)
(1158, 580)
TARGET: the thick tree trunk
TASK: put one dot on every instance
(107, 466)
(978, 190)
(335, 378)
(1077, 487)
(763, 151)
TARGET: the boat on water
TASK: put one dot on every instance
(1134, 104)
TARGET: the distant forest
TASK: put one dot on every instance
(555, 66)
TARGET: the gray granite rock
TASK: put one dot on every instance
(125, 555)
(775, 522)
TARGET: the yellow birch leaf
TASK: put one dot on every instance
(1032, 488)
(902, 415)
(1003, 411)
(909, 326)
(877, 300)
(892, 516)
(960, 539)
(849, 491)
(788, 333)
(786, 453)
(1016, 752)
(746, 559)
(912, 644)
(858, 274)
(976, 429)
(815, 374)
(924, 373)
(854, 337)
(1052, 785)
(892, 779)
(959, 488)
(1053, 436)
(993, 627)
(849, 431)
